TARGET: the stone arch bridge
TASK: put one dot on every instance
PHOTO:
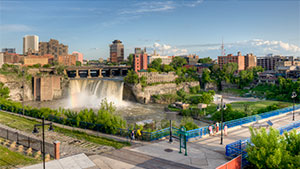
(96, 71)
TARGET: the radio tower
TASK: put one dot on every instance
(222, 49)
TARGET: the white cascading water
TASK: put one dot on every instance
(88, 93)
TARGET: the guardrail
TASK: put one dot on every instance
(289, 127)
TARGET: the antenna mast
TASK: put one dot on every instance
(222, 48)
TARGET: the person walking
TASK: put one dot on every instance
(210, 130)
(225, 130)
(132, 135)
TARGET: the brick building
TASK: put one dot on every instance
(12, 58)
(140, 60)
(35, 59)
(239, 59)
(116, 51)
(53, 47)
(68, 60)
(250, 61)
(1, 59)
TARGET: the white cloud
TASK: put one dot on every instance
(193, 3)
(146, 7)
(256, 46)
(164, 49)
(15, 28)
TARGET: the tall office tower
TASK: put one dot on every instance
(9, 50)
(30, 44)
(54, 48)
(116, 51)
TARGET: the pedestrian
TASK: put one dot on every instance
(210, 130)
(132, 135)
(217, 124)
(215, 129)
(225, 130)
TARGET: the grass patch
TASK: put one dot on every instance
(11, 159)
(26, 125)
(255, 106)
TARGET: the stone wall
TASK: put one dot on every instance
(15, 88)
(155, 77)
(143, 95)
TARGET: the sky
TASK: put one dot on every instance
(171, 27)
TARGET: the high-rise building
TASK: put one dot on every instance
(9, 50)
(140, 61)
(54, 48)
(30, 44)
(239, 59)
(250, 61)
(116, 51)
(79, 56)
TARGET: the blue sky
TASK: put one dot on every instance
(171, 27)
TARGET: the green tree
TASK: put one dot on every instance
(205, 78)
(156, 64)
(178, 62)
(132, 77)
(78, 63)
(167, 68)
(229, 69)
(205, 60)
(182, 94)
(188, 123)
(218, 75)
(130, 60)
(270, 149)
(4, 91)
(143, 81)
(46, 66)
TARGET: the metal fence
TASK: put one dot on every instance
(27, 141)
(253, 118)
(289, 127)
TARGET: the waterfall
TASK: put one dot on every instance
(89, 93)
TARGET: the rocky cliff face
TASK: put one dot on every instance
(143, 95)
(15, 87)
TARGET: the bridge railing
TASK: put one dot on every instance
(289, 127)
(249, 119)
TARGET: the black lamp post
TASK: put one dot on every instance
(294, 95)
(221, 108)
(35, 130)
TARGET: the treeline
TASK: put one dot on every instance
(281, 91)
(104, 120)
(229, 74)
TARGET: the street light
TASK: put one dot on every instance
(221, 107)
(35, 131)
(294, 95)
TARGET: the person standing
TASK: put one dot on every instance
(225, 130)
(138, 133)
(217, 124)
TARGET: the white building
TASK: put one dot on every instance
(30, 43)
(165, 59)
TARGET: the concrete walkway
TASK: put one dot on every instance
(79, 161)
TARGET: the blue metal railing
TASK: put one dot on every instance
(289, 127)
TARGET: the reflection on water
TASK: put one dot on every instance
(132, 112)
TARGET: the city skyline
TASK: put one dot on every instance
(170, 27)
